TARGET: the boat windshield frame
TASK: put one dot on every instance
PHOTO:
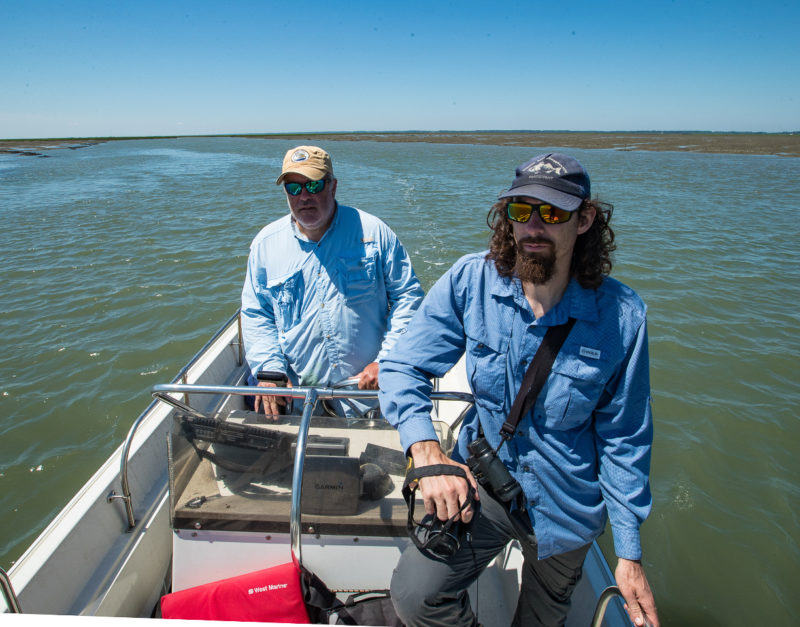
(310, 397)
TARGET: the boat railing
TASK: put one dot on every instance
(310, 397)
(181, 377)
(602, 604)
(8, 593)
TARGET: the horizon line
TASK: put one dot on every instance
(406, 132)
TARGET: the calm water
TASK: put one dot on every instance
(119, 260)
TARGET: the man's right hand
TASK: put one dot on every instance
(443, 494)
(639, 601)
(271, 404)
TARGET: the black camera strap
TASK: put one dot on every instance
(415, 474)
(438, 531)
(536, 375)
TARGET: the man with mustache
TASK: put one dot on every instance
(328, 290)
(580, 454)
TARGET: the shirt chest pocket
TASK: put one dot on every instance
(358, 277)
(572, 392)
(286, 295)
(486, 372)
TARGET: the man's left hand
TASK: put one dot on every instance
(639, 601)
(368, 377)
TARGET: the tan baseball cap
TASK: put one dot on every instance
(310, 161)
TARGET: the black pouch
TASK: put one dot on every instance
(319, 599)
(367, 608)
(364, 608)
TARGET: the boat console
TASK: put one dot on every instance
(234, 471)
(249, 491)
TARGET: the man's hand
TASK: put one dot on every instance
(443, 494)
(639, 601)
(368, 377)
(271, 404)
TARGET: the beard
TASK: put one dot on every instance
(536, 268)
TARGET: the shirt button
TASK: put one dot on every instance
(322, 305)
(526, 468)
(523, 362)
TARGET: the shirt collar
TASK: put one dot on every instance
(332, 227)
(505, 287)
(578, 302)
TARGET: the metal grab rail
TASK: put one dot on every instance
(310, 395)
(162, 391)
(181, 376)
(602, 604)
(125, 497)
(297, 475)
(8, 593)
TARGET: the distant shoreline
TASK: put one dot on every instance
(778, 144)
(39, 147)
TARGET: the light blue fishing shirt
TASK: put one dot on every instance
(583, 452)
(322, 311)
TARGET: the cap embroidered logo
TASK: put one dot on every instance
(299, 155)
(547, 166)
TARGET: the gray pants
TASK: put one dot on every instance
(431, 592)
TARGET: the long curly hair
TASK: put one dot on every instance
(591, 259)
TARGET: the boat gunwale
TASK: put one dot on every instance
(93, 496)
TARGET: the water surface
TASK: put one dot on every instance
(119, 260)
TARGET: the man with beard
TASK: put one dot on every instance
(580, 453)
(328, 290)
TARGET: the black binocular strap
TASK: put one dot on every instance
(536, 375)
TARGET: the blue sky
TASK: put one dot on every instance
(87, 69)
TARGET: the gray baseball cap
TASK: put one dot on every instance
(554, 178)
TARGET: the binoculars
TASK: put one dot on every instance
(491, 472)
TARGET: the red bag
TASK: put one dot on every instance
(271, 595)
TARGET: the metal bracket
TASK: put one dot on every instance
(182, 376)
